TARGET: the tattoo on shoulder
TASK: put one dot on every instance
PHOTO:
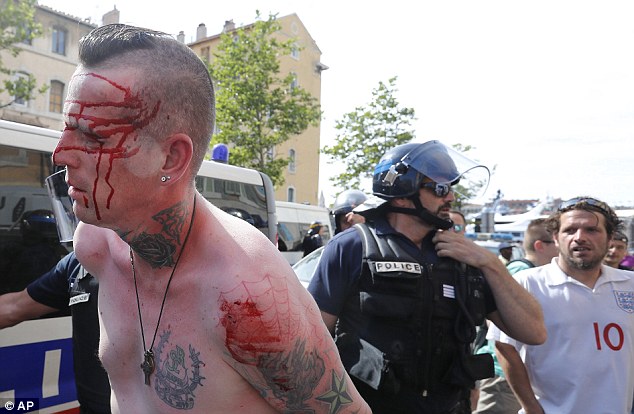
(158, 249)
(177, 374)
(263, 331)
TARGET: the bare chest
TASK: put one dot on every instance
(185, 345)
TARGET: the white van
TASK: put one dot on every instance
(293, 221)
(36, 356)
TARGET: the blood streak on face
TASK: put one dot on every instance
(134, 116)
(248, 336)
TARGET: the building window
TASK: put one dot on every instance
(59, 41)
(205, 54)
(294, 82)
(28, 40)
(290, 194)
(270, 153)
(56, 97)
(291, 160)
(20, 77)
(295, 52)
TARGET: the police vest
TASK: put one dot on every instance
(416, 321)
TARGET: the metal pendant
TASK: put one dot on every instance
(148, 365)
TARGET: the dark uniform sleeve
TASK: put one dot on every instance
(52, 288)
(337, 271)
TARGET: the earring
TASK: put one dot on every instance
(165, 178)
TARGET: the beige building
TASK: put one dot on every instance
(52, 59)
(302, 174)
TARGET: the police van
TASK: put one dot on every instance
(36, 356)
(293, 222)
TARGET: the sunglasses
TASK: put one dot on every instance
(440, 190)
(458, 228)
(592, 202)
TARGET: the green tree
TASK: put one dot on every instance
(257, 108)
(17, 25)
(365, 134)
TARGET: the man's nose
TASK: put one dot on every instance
(580, 235)
(63, 153)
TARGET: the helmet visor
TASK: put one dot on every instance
(62, 206)
(445, 165)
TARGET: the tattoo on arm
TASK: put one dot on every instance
(290, 375)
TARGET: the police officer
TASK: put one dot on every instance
(345, 202)
(405, 295)
(312, 240)
(67, 285)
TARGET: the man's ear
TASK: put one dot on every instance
(178, 150)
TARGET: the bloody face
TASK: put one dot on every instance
(102, 145)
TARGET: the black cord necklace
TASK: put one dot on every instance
(148, 354)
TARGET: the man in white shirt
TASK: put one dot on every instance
(585, 365)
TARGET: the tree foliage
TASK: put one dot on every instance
(257, 108)
(366, 133)
(17, 25)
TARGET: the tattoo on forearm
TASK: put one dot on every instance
(158, 249)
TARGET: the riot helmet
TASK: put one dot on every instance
(347, 200)
(401, 171)
(65, 219)
(344, 203)
(314, 228)
(38, 225)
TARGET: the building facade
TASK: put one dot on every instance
(51, 59)
(302, 174)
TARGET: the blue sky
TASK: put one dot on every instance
(544, 90)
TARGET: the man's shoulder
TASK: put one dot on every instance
(536, 274)
(520, 264)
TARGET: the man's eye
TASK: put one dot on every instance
(94, 136)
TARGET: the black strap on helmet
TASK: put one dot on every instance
(423, 213)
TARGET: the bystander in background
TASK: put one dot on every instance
(585, 365)
(617, 250)
(496, 396)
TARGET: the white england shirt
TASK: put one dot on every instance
(586, 364)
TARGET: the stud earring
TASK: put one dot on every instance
(165, 178)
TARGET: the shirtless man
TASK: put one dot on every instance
(198, 310)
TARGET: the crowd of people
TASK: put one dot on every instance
(198, 311)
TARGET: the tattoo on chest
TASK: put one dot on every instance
(177, 374)
(158, 249)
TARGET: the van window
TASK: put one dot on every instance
(29, 245)
(293, 221)
(244, 200)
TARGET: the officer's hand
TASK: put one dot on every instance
(353, 218)
(458, 247)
